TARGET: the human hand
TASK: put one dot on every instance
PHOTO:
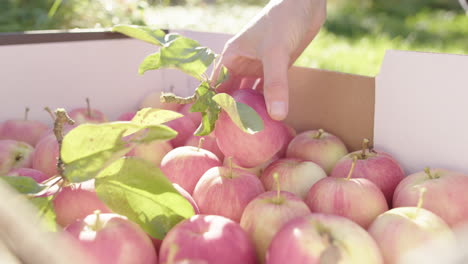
(269, 45)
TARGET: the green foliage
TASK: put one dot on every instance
(46, 210)
(24, 185)
(208, 108)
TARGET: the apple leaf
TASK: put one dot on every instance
(46, 211)
(241, 114)
(24, 185)
(223, 76)
(153, 36)
(154, 116)
(139, 190)
(150, 62)
(208, 108)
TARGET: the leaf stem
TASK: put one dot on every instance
(353, 164)
(172, 98)
(61, 118)
(50, 113)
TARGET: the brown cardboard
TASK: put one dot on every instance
(342, 104)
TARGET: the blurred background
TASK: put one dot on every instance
(353, 40)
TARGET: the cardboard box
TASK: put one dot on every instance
(415, 109)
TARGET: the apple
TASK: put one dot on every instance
(194, 116)
(250, 150)
(87, 115)
(226, 191)
(265, 215)
(36, 175)
(376, 166)
(187, 196)
(318, 146)
(153, 151)
(111, 238)
(295, 175)
(185, 165)
(357, 199)
(45, 155)
(403, 229)
(290, 134)
(14, 154)
(153, 100)
(185, 128)
(258, 170)
(322, 238)
(446, 194)
(209, 143)
(29, 131)
(76, 202)
(127, 116)
(209, 239)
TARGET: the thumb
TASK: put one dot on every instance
(275, 73)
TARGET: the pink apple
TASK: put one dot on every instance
(446, 194)
(185, 165)
(209, 143)
(290, 134)
(153, 151)
(319, 147)
(185, 128)
(265, 215)
(153, 100)
(294, 175)
(258, 170)
(194, 116)
(322, 238)
(36, 175)
(250, 150)
(87, 115)
(111, 238)
(76, 202)
(378, 167)
(45, 155)
(403, 229)
(14, 154)
(127, 116)
(187, 196)
(29, 131)
(208, 239)
(226, 191)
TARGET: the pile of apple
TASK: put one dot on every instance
(268, 197)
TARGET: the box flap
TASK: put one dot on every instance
(421, 111)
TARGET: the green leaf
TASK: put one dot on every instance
(153, 36)
(24, 185)
(154, 116)
(241, 114)
(139, 190)
(150, 62)
(152, 133)
(223, 76)
(46, 211)
(208, 108)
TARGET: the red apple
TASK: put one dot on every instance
(258, 170)
(14, 154)
(38, 176)
(127, 116)
(250, 150)
(290, 134)
(76, 202)
(208, 239)
(87, 115)
(265, 215)
(226, 191)
(403, 229)
(153, 151)
(322, 238)
(209, 143)
(185, 129)
(111, 238)
(446, 194)
(185, 165)
(45, 155)
(319, 147)
(29, 131)
(295, 175)
(194, 116)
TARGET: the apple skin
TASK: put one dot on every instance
(185, 165)
(36, 175)
(153, 151)
(81, 116)
(76, 202)
(294, 175)
(116, 240)
(322, 238)
(209, 143)
(258, 170)
(29, 131)
(185, 129)
(379, 167)
(446, 194)
(359, 200)
(290, 134)
(209, 239)
(14, 155)
(263, 217)
(403, 229)
(45, 155)
(127, 116)
(324, 150)
(226, 191)
(249, 150)
(194, 116)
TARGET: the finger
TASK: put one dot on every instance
(275, 73)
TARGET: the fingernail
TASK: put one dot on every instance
(277, 110)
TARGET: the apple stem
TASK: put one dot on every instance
(278, 189)
(200, 143)
(172, 98)
(88, 107)
(26, 111)
(97, 225)
(50, 113)
(319, 133)
(427, 170)
(422, 192)
(353, 164)
(62, 118)
(365, 146)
